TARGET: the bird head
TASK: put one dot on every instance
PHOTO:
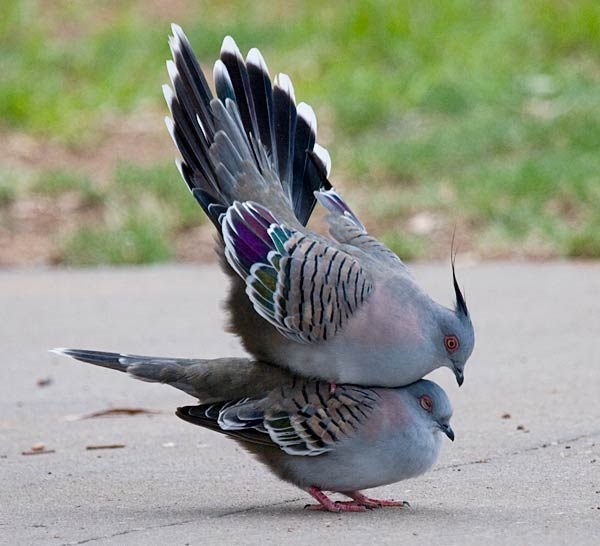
(433, 403)
(456, 337)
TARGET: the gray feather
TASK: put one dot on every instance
(343, 309)
(350, 439)
(207, 380)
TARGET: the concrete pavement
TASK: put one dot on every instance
(525, 467)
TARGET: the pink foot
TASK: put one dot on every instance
(332, 387)
(338, 506)
(325, 503)
(368, 502)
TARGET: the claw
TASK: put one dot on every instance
(375, 503)
(325, 503)
(339, 506)
(359, 502)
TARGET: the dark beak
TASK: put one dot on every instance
(459, 376)
(447, 430)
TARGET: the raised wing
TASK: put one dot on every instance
(303, 286)
(347, 229)
(251, 142)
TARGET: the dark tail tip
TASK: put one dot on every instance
(98, 358)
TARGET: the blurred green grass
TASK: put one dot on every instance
(484, 113)
(136, 239)
(145, 208)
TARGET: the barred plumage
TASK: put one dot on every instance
(345, 440)
(304, 418)
(330, 304)
(303, 286)
(331, 285)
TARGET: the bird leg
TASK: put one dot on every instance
(368, 502)
(325, 503)
(332, 387)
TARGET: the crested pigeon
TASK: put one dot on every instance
(208, 380)
(342, 441)
(344, 308)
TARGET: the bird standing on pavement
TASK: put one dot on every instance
(343, 441)
(341, 333)
(343, 309)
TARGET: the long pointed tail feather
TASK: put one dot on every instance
(113, 361)
(208, 380)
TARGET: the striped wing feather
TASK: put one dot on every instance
(305, 287)
(305, 419)
(310, 420)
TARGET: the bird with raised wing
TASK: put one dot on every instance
(343, 441)
(344, 308)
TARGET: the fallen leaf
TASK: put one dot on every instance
(118, 411)
(104, 446)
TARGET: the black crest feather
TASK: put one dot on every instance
(461, 304)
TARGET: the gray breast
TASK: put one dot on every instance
(361, 464)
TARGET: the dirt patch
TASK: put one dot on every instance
(196, 245)
(140, 138)
(32, 226)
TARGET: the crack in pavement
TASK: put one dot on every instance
(251, 508)
(127, 532)
(555, 443)
(544, 445)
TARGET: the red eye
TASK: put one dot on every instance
(451, 343)
(426, 403)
